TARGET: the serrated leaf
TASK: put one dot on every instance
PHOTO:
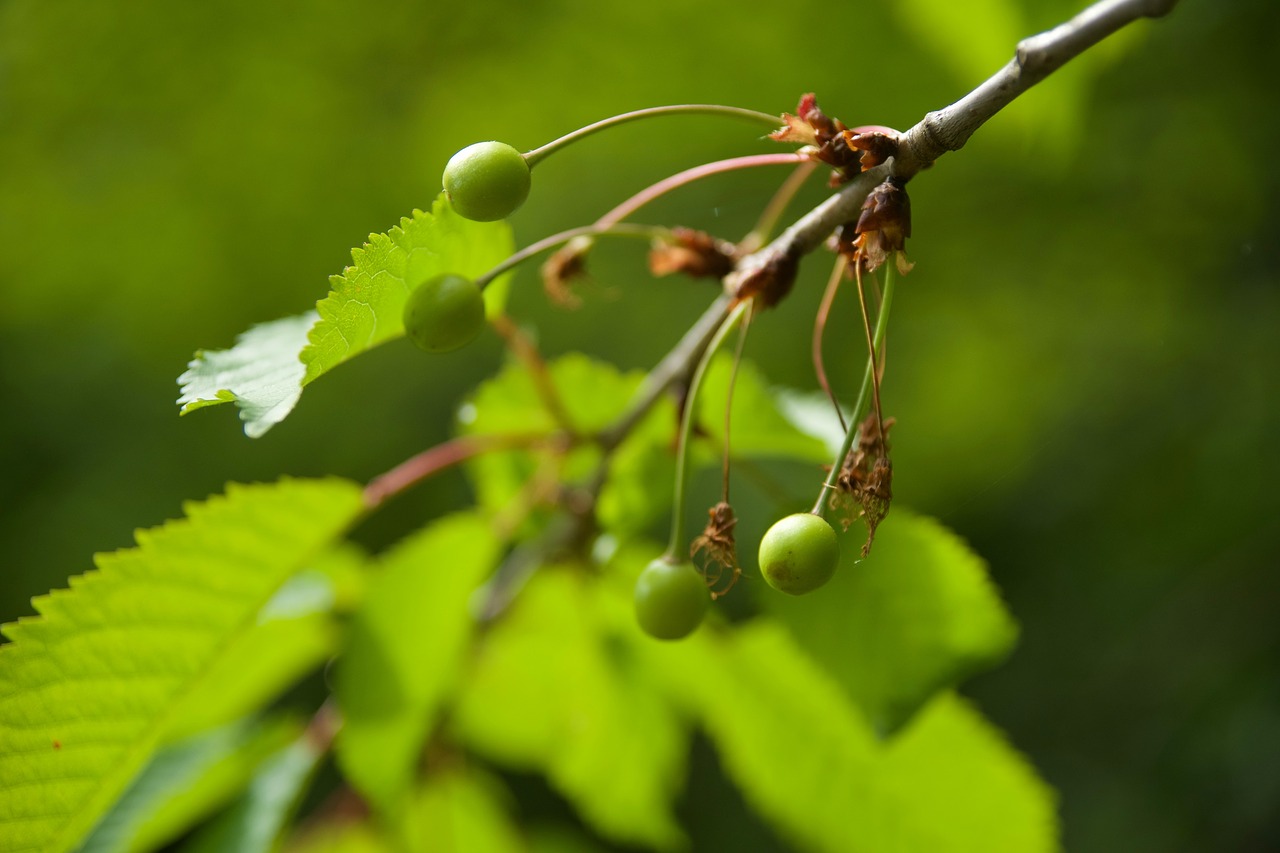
(266, 370)
(807, 760)
(554, 690)
(365, 302)
(185, 782)
(257, 821)
(261, 374)
(89, 688)
(404, 653)
(919, 615)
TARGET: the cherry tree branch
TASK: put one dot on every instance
(1036, 57)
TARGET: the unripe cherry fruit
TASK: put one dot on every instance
(671, 599)
(444, 313)
(487, 181)
(799, 553)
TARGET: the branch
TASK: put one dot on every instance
(1036, 57)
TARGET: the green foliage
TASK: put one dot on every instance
(809, 761)
(265, 372)
(405, 650)
(555, 688)
(89, 689)
(917, 616)
(185, 782)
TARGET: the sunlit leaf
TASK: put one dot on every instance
(261, 374)
(917, 616)
(808, 761)
(265, 372)
(186, 782)
(404, 652)
(554, 690)
(460, 811)
(256, 822)
(89, 688)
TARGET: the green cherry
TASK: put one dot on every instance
(444, 313)
(487, 181)
(799, 553)
(671, 599)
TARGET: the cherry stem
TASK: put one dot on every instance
(882, 324)
(644, 232)
(445, 455)
(676, 544)
(728, 400)
(819, 327)
(526, 351)
(872, 346)
(777, 206)
(538, 154)
(688, 176)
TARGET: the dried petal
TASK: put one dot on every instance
(693, 253)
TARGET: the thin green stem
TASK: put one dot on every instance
(644, 232)
(882, 324)
(536, 155)
(678, 531)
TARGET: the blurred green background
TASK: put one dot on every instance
(1085, 364)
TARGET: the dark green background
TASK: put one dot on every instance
(1084, 365)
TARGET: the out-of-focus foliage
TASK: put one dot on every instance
(1083, 363)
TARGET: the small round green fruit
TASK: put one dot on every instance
(671, 599)
(487, 181)
(799, 553)
(444, 313)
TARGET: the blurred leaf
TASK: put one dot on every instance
(404, 652)
(261, 374)
(184, 783)
(642, 475)
(808, 762)
(759, 428)
(593, 394)
(257, 820)
(460, 811)
(88, 689)
(553, 691)
(265, 372)
(917, 616)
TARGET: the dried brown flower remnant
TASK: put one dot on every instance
(876, 146)
(717, 545)
(566, 265)
(866, 479)
(694, 253)
(768, 275)
(812, 127)
(883, 228)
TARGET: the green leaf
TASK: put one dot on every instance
(808, 762)
(294, 633)
(554, 689)
(185, 782)
(266, 370)
(365, 302)
(258, 819)
(459, 811)
(89, 688)
(261, 374)
(593, 393)
(917, 616)
(405, 651)
(759, 427)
